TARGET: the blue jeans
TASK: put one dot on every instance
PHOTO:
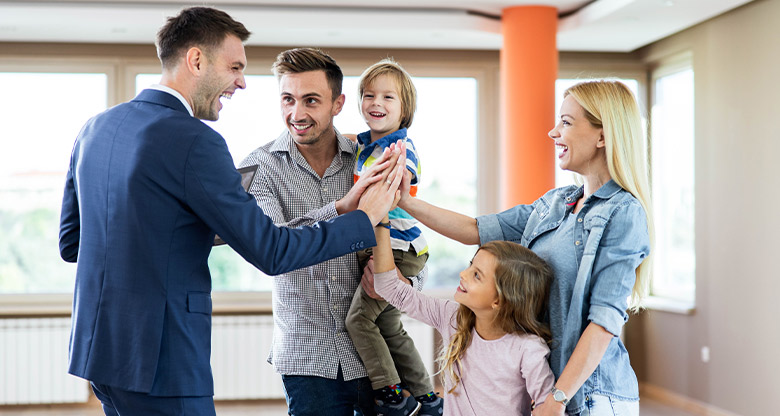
(319, 396)
(122, 402)
(598, 405)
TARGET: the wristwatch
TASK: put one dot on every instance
(559, 396)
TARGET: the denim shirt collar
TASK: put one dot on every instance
(606, 191)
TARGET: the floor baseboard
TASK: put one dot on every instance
(679, 401)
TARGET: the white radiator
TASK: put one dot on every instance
(34, 359)
(34, 363)
(240, 346)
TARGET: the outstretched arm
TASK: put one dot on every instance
(448, 223)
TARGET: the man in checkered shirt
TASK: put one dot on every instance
(305, 176)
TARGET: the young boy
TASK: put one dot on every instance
(387, 103)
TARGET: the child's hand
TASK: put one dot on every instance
(372, 175)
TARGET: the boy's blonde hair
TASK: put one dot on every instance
(403, 81)
(610, 105)
(523, 285)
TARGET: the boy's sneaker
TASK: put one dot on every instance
(390, 402)
(431, 405)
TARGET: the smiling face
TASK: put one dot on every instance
(380, 106)
(308, 106)
(580, 144)
(223, 74)
(477, 289)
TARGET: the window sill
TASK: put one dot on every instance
(223, 303)
(661, 304)
(60, 304)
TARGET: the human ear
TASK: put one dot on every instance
(602, 142)
(194, 59)
(338, 104)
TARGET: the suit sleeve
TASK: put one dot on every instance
(70, 225)
(213, 190)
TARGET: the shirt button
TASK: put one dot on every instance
(568, 199)
(579, 219)
(576, 243)
(324, 189)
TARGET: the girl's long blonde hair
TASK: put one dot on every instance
(523, 285)
(611, 105)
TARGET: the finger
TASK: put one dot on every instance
(399, 176)
(396, 199)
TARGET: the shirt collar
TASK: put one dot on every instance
(285, 143)
(606, 191)
(174, 93)
(365, 138)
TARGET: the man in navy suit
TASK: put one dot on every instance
(148, 187)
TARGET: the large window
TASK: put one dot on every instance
(253, 117)
(42, 115)
(672, 156)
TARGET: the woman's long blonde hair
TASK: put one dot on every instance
(611, 105)
(523, 285)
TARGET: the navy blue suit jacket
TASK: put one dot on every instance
(147, 188)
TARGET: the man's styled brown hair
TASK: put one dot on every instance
(203, 27)
(296, 61)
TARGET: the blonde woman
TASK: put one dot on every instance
(597, 239)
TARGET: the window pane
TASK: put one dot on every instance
(562, 177)
(252, 118)
(672, 149)
(45, 112)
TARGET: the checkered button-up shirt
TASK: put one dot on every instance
(310, 305)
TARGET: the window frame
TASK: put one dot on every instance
(660, 68)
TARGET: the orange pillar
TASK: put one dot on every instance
(529, 68)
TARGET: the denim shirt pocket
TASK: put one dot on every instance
(593, 228)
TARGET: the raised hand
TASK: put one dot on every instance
(373, 174)
(380, 196)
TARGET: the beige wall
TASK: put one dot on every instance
(736, 59)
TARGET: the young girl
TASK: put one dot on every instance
(495, 355)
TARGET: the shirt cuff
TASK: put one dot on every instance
(329, 212)
(608, 318)
(489, 229)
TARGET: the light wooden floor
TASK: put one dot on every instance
(264, 408)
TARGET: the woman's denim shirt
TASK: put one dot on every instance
(611, 240)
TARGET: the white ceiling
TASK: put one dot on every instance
(598, 25)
